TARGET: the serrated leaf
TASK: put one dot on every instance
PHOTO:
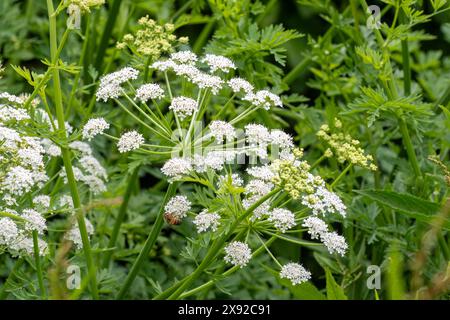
(334, 291)
(407, 204)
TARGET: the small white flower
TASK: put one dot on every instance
(31, 157)
(110, 88)
(129, 141)
(176, 168)
(237, 253)
(183, 106)
(74, 234)
(206, 81)
(184, 57)
(42, 201)
(91, 165)
(66, 201)
(35, 221)
(262, 172)
(295, 272)
(163, 66)
(149, 91)
(324, 201)
(258, 187)
(178, 206)
(95, 184)
(222, 130)
(94, 127)
(238, 85)
(257, 134)
(316, 227)
(218, 63)
(82, 147)
(8, 231)
(186, 70)
(50, 148)
(205, 220)
(23, 246)
(334, 243)
(8, 113)
(266, 99)
(281, 139)
(18, 181)
(235, 180)
(282, 219)
(261, 211)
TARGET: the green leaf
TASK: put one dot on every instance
(334, 291)
(407, 204)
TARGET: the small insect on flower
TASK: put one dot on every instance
(176, 209)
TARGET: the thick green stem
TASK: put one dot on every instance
(409, 147)
(218, 245)
(37, 261)
(66, 153)
(143, 255)
(120, 216)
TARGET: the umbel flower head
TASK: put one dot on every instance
(237, 253)
(345, 147)
(295, 272)
(152, 40)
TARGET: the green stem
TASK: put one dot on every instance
(218, 244)
(66, 153)
(120, 216)
(409, 147)
(227, 273)
(203, 37)
(143, 255)
(37, 261)
(341, 175)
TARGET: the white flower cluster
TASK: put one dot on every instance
(184, 63)
(237, 253)
(110, 84)
(74, 234)
(176, 168)
(16, 233)
(221, 130)
(149, 91)
(94, 127)
(21, 156)
(282, 219)
(295, 272)
(183, 107)
(205, 221)
(87, 169)
(129, 141)
(323, 201)
(178, 207)
(317, 228)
